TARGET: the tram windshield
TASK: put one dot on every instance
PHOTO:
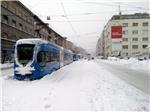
(25, 53)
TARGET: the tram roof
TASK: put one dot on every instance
(31, 41)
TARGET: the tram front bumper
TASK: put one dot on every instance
(24, 70)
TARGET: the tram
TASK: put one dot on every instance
(35, 58)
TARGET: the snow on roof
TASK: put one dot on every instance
(31, 41)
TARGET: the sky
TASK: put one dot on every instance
(82, 21)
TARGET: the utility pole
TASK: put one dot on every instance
(119, 8)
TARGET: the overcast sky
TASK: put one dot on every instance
(82, 21)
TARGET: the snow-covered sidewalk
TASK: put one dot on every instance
(82, 85)
(131, 63)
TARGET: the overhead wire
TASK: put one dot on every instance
(132, 6)
(68, 18)
(87, 13)
(35, 4)
(123, 5)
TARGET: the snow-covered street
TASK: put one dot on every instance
(133, 73)
(82, 85)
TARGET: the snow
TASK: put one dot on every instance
(131, 63)
(6, 65)
(24, 70)
(83, 85)
(113, 58)
(31, 41)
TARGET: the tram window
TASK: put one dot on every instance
(25, 53)
(67, 56)
(54, 56)
(41, 58)
(44, 58)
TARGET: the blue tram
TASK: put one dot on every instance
(76, 57)
(35, 58)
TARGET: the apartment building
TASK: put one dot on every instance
(134, 37)
(18, 22)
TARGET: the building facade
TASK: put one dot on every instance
(100, 46)
(135, 35)
(18, 22)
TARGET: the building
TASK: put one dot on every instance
(100, 46)
(42, 30)
(75, 49)
(61, 41)
(126, 35)
(18, 22)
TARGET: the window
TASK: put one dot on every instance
(25, 17)
(4, 4)
(135, 46)
(144, 46)
(125, 39)
(45, 57)
(4, 35)
(13, 8)
(20, 26)
(144, 31)
(135, 32)
(41, 58)
(125, 32)
(125, 46)
(30, 20)
(145, 39)
(125, 24)
(25, 53)
(20, 13)
(13, 23)
(145, 23)
(25, 29)
(5, 19)
(56, 35)
(134, 39)
(55, 55)
(67, 56)
(49, 31)
(30, 31)
(134, 24)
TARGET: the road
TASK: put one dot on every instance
(138, 79)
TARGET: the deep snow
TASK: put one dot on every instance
(82, 85)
